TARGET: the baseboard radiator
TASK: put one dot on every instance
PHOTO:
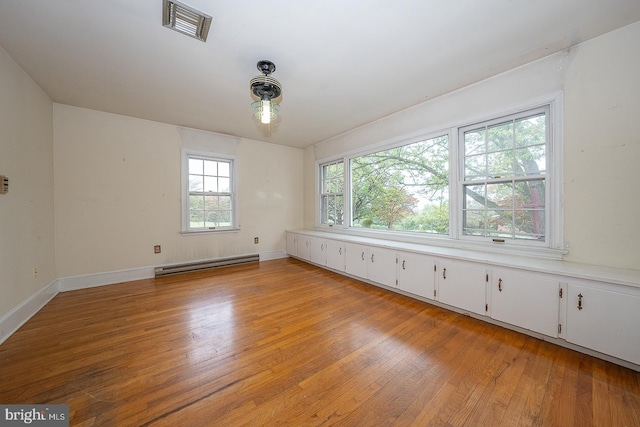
(205, 265)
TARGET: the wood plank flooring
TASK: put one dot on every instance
(286, 343)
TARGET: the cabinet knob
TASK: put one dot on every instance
(580, 301)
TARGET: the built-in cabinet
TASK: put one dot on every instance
(416, 274)
(356, 260)
(382, 266)
(592, 314)
(335, 253)
(463, 285)
(318, 251)
(605, 319)
(528, 301)
(302, 246)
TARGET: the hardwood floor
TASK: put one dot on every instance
(285, 343)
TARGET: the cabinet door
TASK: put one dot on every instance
(462, 285)
(382, 266)
(292, 244)
(416, 274)
(526, 301)
(604, 320)
(356, 260)
(335, 254)
(318, 251)
(303, 246)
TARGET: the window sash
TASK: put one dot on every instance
(209, 199)
(505, 163)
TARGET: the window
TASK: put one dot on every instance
(404, 188)
(504, 177)
(331, 193)
(497, 181)
(209, 201)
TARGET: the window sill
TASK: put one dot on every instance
(444, 244)
(203, 232)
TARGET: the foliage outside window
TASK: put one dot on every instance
(494, 184)
(403, 188)
(505, 178)
(331, 193)
(210, 193)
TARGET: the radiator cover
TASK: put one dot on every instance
(205, 264)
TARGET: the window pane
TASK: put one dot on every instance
(196, 219)
(474, 196)
(474, 142)
(530, 131)
(530, 224)
(474, 219)
(224, 185)
(210, 184)
(210, 167)
(499, 195)
(530, 194)
(500, 137)
(500, 164)
(475, 167)
(211, 202)
(196, 202)
(195, 166)
(196, 183)
(338, 209)
(224, 169)
(500, 223)
(531, 160)
(403, 188)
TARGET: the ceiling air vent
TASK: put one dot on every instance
(185, 19)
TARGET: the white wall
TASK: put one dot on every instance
(601, 88)
(26, 211)
(117, 193)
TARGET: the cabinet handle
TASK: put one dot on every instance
(371, 257)
(444, 273)
(363, 255)
(500, 285)
(322, 246)
(340, 250)
(580, 301)
(403, 264)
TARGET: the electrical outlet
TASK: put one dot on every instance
(157, 249)
(35, 272)
(256, 240)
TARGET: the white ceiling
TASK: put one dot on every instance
(341, 63)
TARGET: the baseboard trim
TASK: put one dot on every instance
(13, 320)
(84, 281)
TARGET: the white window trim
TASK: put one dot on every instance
(554, 248)
(184, 201)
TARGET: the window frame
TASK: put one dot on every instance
(188, 154)
(325, 195)
(552, 248)
(545, 110)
